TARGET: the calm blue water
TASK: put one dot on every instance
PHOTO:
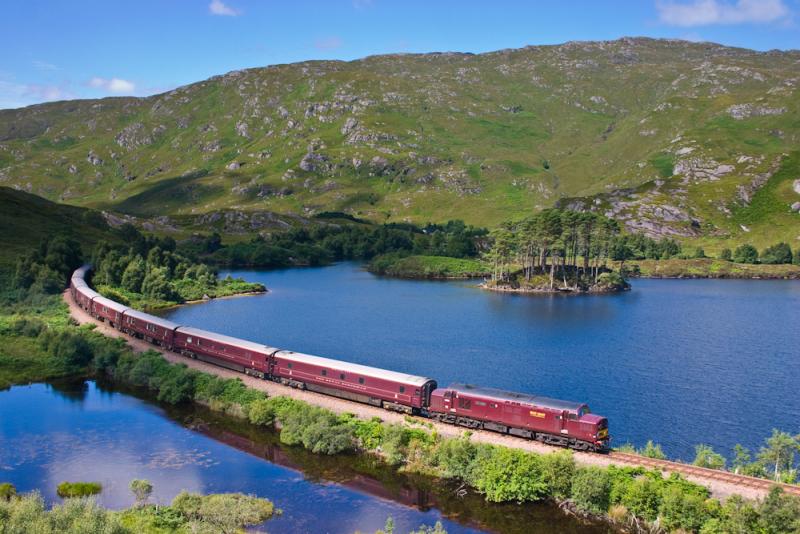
(677, 361)
(50, 435)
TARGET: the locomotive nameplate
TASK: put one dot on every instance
(537, 414)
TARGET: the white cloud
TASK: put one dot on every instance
(44, 65)
(329, 43)
(17, 95)
(113, 85)
(708, 12)
(218, 7)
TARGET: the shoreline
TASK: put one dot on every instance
(548, 292)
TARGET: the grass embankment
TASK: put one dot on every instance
(435, 267)
(709, 268)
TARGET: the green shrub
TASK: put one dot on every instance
(504, 474)
(68, 490)
(777, 254)
(67, 345)
(316, 429)
(261, 412)
(27, 326)
(558, 469)
(225, 512)
(679, 510)
(7, 491)
(726, 254)
(591, 489)
(779, 512)
(141, 489)
(395, 440)
(28, 513)
(653, 450)
(706, 457)
(456, 457)
(369, 433)
(642, 498)
(745, 254)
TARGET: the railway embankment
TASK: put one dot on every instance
(720, 483)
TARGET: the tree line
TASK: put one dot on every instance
(780, 253)
(326, 243)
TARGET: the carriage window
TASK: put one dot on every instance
(324, 372)
(402, 389)
(361, 380)
(480, 403)
(289, 365)
(341, 376)
(465, 403)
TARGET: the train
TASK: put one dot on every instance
(551, 421)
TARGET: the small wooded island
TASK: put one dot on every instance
(555, 251)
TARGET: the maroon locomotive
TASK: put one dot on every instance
(552, 421)
(379, 387)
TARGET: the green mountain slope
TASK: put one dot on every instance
(26, 220)
(691, 140)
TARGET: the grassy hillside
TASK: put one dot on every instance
(691, 140)
(26, 220)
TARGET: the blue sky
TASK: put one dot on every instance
(65, 49)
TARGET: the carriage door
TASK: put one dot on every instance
(564, 418)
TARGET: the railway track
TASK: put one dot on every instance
(702, 472)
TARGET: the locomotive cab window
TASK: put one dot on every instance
(573, 417)
(465, 403)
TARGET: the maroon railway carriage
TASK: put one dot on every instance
(82, 294)
(370, 385)
(553, 421)
(237, 354)
(108, 310)
(149, 327)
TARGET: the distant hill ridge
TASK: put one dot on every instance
(695, 141)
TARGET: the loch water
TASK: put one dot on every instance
(680, 362)
(85, 431)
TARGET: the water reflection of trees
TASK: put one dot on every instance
(72, 390)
